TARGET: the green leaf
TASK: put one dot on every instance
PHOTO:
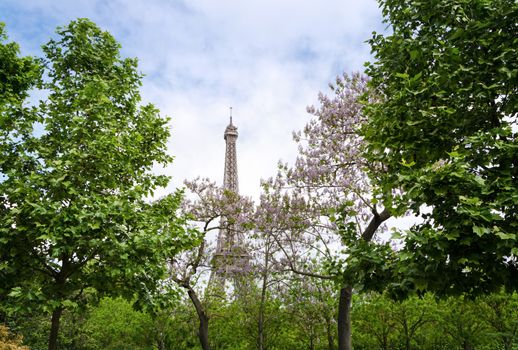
(506, 236)
(480, 231)
(406, 164)
(414, 122)
(15, 292)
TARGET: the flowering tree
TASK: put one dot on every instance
(325, 200)
(268, 266)
(211, 204)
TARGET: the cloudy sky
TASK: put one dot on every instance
(268, 59)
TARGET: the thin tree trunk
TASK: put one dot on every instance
(329, 330)
(54, 328)
(344, 319)
(160, 341)
(260, 336)
(203, 331)
(468, 346)
(260, 321)
(385, 343)
(508, 343)
(407, 335)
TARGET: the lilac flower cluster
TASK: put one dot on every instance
(328, 181)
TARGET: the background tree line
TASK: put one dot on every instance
(293, 322)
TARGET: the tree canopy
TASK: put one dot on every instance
(445, 128)
(75, 214)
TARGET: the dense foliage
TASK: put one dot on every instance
(445, 129)
(486, 323)
(17, 76)
(75, 221)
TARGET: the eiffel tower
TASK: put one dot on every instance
(230, 258)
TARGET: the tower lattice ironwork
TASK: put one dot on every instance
(230, 258)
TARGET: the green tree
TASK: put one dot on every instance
(373, 322)
(502, 316)
(114, 325)
(74, 208)
(445, 129)
(464, 322)
(17, 76)
(183, 325)
(411, 316)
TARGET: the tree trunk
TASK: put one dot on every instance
(385, 343)
(344, 319)
(508, 342)
(407, 335)
(260, 321)
(203, 331)
(260, 336)
(467, 345)
(329, 330)
(160, 341)
(54, 328)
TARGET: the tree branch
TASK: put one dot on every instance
(376, 221)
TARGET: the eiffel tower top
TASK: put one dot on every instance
(231, 130)
(230, 179)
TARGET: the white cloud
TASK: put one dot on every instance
(268, 59)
